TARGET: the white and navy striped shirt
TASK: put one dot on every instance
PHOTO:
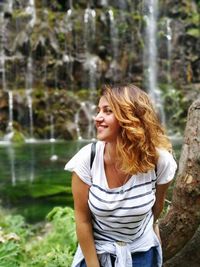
(124, 213)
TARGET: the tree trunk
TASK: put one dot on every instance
(180, 228)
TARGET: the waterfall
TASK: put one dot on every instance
(114, 46)
(10, 6)
(30, 9)
(150, 56)
(29, 84)
(9, 129)
(103, 2)
(8, 136)
(67, 56)
(61, 52)
(89, 27)
(2, 55)
(52, 135)
(84, 115)
(53, 157)
(76, 121)
(90, 63)
(113, 35)
(169, 49)
(10, 101)
(90, 66)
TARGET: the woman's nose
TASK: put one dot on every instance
(98, 117)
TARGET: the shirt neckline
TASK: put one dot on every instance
(119, 188)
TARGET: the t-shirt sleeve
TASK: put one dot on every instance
(166, 167)
(80, 164)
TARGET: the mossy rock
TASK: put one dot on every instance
(17, 137)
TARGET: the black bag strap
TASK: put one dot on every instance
(93, 152)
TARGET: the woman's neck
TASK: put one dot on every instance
(110, 153)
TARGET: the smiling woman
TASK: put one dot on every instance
(118, 200)
(106, 123)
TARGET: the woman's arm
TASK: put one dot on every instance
(159, 204)
(83, 221)
(161, 190)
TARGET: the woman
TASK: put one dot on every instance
(119, 199)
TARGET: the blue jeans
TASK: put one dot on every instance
(139, 259)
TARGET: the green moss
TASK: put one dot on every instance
(83, 94)
(194, 32)
(37, 191)
(18, 137)
(19, 14)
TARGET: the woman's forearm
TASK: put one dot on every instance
(157, 210)
(84, 221)
(160, 200)
(86, 241)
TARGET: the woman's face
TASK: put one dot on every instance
(106, 123)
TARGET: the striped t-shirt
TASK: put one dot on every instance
(123, 213)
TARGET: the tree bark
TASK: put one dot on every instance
(180, 228)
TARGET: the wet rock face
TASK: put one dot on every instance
(72, 46)
(60, 43)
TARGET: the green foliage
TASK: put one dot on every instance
(176, 106)
(57, 246)
(13, 236)
(193, 32)
(17, 225)
(49, 245)
(10, 254)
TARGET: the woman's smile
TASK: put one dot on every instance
(106, 123)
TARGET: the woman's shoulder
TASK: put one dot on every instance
(166, 166)
(164, 155)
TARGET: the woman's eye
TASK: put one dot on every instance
(97, 111)
(108, 111)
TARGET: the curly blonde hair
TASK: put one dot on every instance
(141, 131)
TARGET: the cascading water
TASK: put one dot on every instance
(8, 136)
(150, 56)
(77, 47)
(29, 77)
(114, 46)
(10, 6)
(2, 55)
(113, 35)
(89, 37)
(53, 157)
(52, 134)
(9, 129)
(85, 112)
(10, 123)
(31, 10)
(29, 84)
(89, 27)
(169, 49)
(67, 29)
(86, 109)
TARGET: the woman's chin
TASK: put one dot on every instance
(100, 137)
